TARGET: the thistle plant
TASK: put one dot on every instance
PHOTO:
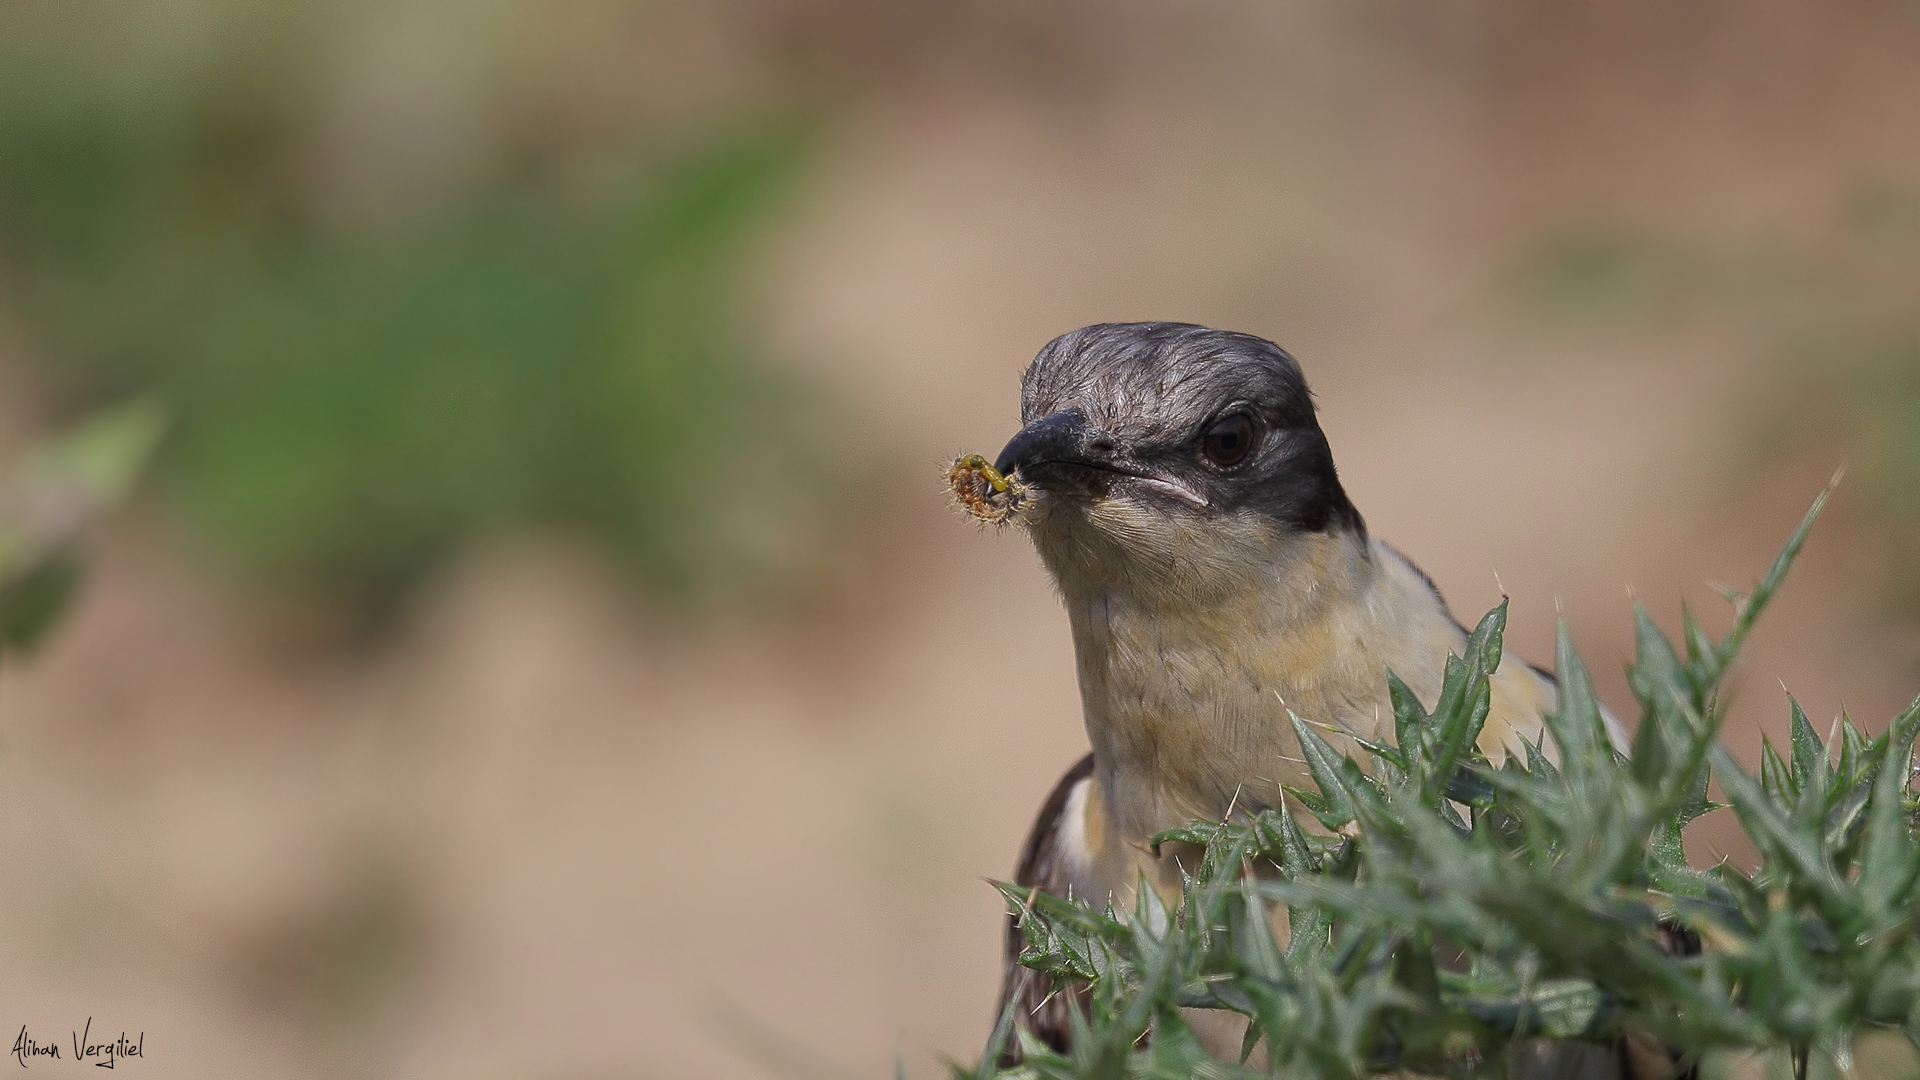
(1442, 911)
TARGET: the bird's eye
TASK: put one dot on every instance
(1229, 440)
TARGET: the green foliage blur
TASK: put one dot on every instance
(1452, 917)
(357, 397)
(62, 487)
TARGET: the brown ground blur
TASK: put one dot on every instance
(547, 833)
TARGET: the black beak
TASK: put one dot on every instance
(1058, 437)
(1065, 438)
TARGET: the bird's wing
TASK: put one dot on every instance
(1045, 863)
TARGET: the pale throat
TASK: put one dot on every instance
(1186, 677)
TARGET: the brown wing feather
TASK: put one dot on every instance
(1041, 1011)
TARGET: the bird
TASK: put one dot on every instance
(1183, 498)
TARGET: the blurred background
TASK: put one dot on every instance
(540, 647)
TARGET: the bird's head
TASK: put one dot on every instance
(1170, 455)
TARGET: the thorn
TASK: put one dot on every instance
(1632, 595)
(1559, 606)
(1043, 1002)
(1839, 474)
(1233, 802)
(1498, 584)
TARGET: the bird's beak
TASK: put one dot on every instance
(1065, 439)
(1056, 439)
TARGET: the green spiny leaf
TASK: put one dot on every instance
(1575, 720)
(1809, 753)
(1774, 776)
(1889, 858)
(1409, 718)
(1770, 828)
(1484, 644)
(1324, 763)
(1756, 601)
